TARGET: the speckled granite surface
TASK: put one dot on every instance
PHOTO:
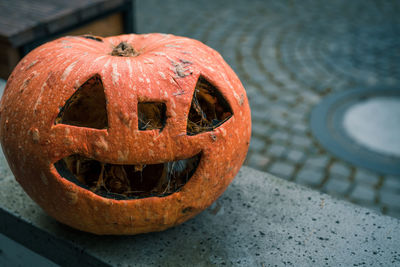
(260, 220)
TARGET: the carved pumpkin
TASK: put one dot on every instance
(126, 134)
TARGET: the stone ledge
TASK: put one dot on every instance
(260, 220)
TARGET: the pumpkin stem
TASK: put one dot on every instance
(124, 50)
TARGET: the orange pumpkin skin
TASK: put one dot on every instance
(166, 70)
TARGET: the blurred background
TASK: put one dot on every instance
(322, 78)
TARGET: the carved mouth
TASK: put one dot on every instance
(118, 181)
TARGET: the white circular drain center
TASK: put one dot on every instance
(375, 124)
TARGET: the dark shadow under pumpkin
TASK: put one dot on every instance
(118, 181)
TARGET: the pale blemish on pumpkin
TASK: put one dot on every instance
(238, 98)
(35, 135)
(25, 84)
(141, 79)
(223, 131)
(172, 45)
(124, 118)
(162, 75)
(241, 101)
(27, 81)
(151, 152)
(130, 39)
(123, 156)
(159, 54)
(115, 74)
(102, 143)
(210, 68)
(106, 66)
(129, 68)
(68, 140)
(148, 80)
(43, 177)
(33, 63)
(172, 101)
(140, 67)
(68, 70)
(97, 59)
(39, 100)
(178, 93)
(71, 197)
(148, 61)
(77, 84)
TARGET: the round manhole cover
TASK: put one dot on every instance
(361, 126)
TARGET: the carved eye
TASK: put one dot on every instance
(151, 115)
(86, 107)
(208, 110)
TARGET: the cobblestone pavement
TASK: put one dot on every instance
(289, 55)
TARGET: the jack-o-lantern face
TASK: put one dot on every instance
(126, 134)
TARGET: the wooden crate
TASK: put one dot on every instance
(26, 24)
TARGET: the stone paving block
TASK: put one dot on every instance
(340, 168)
(295, 155)
(258, 101)
(311, 97)
(310, 176)
(299, 127)
(366, 177)
(390, 199)
(282, 169)
(288, 98)
(391, 183)
(260, 128)
(279, 136)
(258, 161)
(276, 150)
(259, 114)
(292, 86)
(319, 161)
(279, 121)
(300, 140)
(295, 116)
(363, 193)
(257, 144)
(337, 185)
(393, 212)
